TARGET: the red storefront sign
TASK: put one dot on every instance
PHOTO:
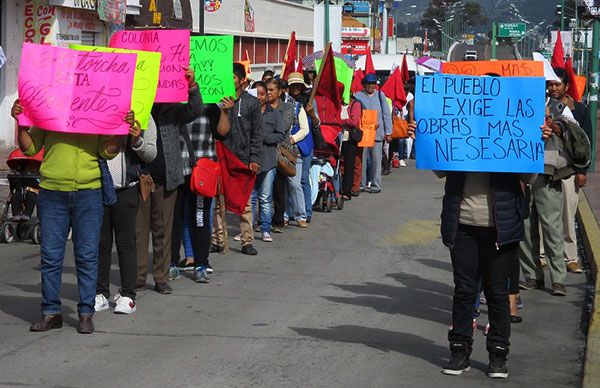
(355, 47)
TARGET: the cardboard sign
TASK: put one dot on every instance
(174, 45)
(486, 124)
(501, 68)
(145, 80)
(211, 58)
(65, 90)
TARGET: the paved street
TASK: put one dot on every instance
(360, 299)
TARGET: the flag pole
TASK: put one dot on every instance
(285, 59)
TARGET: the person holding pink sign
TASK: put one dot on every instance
(70, 197)
(155, 214)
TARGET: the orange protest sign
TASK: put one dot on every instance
(368, 125)
(246, 67)
(502, 68)
(581, 82)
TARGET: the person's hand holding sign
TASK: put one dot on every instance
(224, 126)
(254, 167)
(190, 78)
(412, 128)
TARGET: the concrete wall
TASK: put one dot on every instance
(272, 19)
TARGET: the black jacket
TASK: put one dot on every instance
(510, 207)
(245, 139)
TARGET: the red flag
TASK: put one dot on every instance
(573, 90)
(369, 67)
(328, 91)
(357, 81)
(237, 180)
(299, 69)
(328, 84)
(289, 61)
(405, 75)
(558, 56)
(394, 89)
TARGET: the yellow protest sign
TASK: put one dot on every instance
(145, 80)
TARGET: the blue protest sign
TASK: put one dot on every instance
(485, 124)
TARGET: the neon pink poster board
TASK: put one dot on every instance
(65, 90)
(174, 45)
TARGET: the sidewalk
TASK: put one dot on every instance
(589, 220)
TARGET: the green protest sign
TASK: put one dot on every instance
(343, 74)
(145, 80)
(211, 58)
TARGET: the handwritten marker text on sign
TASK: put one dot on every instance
(211, 58)
(145, 80)
(487, 124)
(78, 92)
(174, 45)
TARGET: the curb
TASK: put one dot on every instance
(591, 237)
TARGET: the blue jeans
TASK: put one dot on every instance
(296, 206)
(82, 211)
(372, 166)
(305, 180)
(263, 194)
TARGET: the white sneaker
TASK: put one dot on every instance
(238, 237)
(101, 303)
(266, 237)
(402, 163)
(125, 305)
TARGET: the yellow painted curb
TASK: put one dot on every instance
(591, 240)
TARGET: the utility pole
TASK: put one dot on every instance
(562, 15)
(201, 19)
(594, 79)
(326, 15)
(494, 41)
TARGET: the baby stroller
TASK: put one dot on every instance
(18, 221)
(326, 160)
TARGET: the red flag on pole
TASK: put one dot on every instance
(289, 62)
(357, 81)
(300, 69)
(369, 67)
(394, 89)
(558, 56)
(405, 75)
(328, 84)
(573, 90)
(237, 180)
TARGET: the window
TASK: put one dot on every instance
(260, 50)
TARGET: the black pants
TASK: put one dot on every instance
(474, 253)
(514, 274)
(120, 219)
(279, 199)
(349, 154)
(198, 216)
(22, 202)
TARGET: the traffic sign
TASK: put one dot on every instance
(511, 30)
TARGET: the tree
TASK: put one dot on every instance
(471, 13)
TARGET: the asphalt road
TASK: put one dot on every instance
(360, 299)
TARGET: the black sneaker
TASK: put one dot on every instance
(249, 250)
(497, 367)
(459, 359)
(163, 288)
(214, 248)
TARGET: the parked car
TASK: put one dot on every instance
(470, 55)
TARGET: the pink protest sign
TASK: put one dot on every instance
(65, 90)
(174, 45)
